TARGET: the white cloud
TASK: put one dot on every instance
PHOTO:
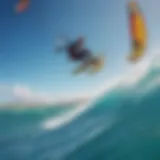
(21, 93)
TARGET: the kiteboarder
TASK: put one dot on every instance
(77, 51)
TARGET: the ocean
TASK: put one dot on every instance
(123, 123)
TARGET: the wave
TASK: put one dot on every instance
(134, 78)
(134, 115)
(54, 123)
(114, 123)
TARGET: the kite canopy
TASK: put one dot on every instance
(137, 31)
(21, 6)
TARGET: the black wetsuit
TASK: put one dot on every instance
(77, 53)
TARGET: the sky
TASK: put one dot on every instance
(28, 60)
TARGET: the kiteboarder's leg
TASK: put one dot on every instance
(90, 58)
(84, 55)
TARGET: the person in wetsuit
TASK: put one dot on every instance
(77, 51)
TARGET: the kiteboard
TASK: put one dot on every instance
(92, 66)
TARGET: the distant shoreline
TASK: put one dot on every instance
(42, 104)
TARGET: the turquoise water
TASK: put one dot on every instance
(123, 124)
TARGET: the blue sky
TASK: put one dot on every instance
(27, 41)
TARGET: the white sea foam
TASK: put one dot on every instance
(135, 73)
(54, 123)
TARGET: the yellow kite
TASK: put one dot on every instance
(137, 31)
